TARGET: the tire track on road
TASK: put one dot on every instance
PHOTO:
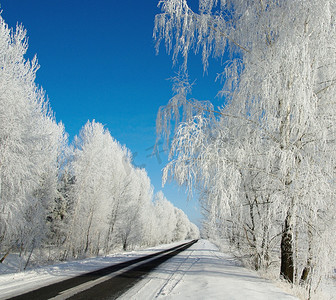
(106, 283)
(176, 276)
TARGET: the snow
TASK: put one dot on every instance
(200, 272)
(203, 272)
(13, 284)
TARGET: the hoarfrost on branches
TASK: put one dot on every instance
(60, 201)
(263, 163)
(30, 144)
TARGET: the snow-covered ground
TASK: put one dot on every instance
(200, 272)
(12, 284)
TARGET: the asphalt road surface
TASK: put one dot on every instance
(106, 283)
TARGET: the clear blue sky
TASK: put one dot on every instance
(98, 62)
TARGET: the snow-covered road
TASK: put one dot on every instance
(202, 272)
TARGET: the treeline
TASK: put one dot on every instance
(264, 161)
(76, 200)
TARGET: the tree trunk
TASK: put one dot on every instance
(287, 262)
(125, 244)
(98, 242)
(305, 273)
(307, 269)
(30, 254)
(88, 232)
(107, 241)
(3, 258)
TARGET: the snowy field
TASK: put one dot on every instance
(200, 272)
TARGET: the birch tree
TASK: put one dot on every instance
(96, 165)
(30, 144)
(271, 144)
(74, 199)
(112, 199)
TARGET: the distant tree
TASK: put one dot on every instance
(167, 218)
(110, 196)
(81, 199)
(94, 170)
(182, 225)
(59, 216)
(135, 210)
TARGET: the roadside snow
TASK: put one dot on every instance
(17, 283)
(202, 272)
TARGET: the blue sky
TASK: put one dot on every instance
(98, 61)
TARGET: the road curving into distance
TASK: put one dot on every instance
(106, 283)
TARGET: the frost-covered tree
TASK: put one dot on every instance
(110, 200)
(167, 218)
(59, 217)
(132, 226)
(266, 157)
(82, 199)
(172, 222)
(97, 167)
(30, 144)
(182, 227)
